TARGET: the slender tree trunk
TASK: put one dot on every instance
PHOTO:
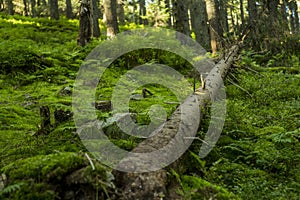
(198, 21)
(213, 25)
(181, 16)
(224, 16)
(273, 10)
(252, 10)
(294, 16)
(10, 7)
(94, 19)
(85, 32)
(168, 7)
(242, 12)
(219, 28)
(54, 14)
(110, 10)
(69, 9)
(121, 12)
(1, 5)
(25, 7)
(142, 12)
(33, 8)
(283, 6)
(232, 16)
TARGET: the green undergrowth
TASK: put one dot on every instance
(256, 157)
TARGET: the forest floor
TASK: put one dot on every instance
(256, 157)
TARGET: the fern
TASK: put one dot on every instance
(11, 188)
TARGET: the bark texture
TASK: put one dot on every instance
(198, 21)
(153, 185)
(85, 32)
(110, 11)
(69, 9)
(213, 24)
(121, 12)
(180, 9)
(54, 14)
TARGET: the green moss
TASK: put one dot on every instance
(198, 188)
(43, 167)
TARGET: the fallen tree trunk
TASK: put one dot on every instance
(146, 177)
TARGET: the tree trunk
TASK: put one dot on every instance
(54, 14)
(85, 32)
(181, 17)
(10, 7)
(69, 9)
(219, 28)
(33, 8)
(198, 21)
(94, 19)
(294, 17)
(25, 7)
(168, 7)
(285, 22)
(1, 5)
(273, 13)
(252, 10)
(213, 25)
(121, 12)
(153, 185)
(110, 10)
(233, 16)
(142, 12)
(242, 12)
(223, 16)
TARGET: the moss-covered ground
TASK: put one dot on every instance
(257, 156)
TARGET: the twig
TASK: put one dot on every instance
(202, 82)
(196, 138)
(145, 91)
(252, 70)
(236, 85)
(234, 77)
(90, 160)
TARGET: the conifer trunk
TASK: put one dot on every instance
(153, 185)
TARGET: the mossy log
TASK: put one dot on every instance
(154, 185)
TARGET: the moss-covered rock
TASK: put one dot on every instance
(61, 175)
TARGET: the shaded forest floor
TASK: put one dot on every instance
(257, 156)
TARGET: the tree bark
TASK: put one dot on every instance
(54, 14)
(213, 25)
(181, 17)
(121, 12)
(224, 16)
(69, 9)
(10, 7)
(294, 17)
(252, 10)
(142, 12)
(168, 7)
(85, 32)
(25, 7)
(285, 22)
(94, 19)
(242, 12)
(110, 10)
(153, 185)
(33, 8)
(198, 21)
